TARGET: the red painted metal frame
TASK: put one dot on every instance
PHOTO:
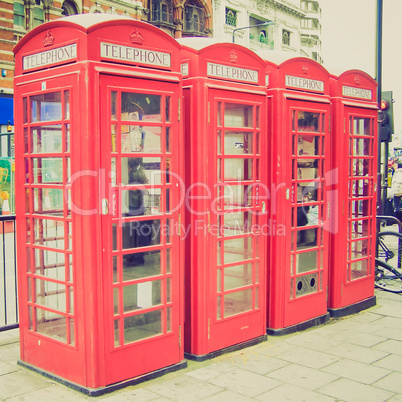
(360, 102)
(204, 334)
(284, 311)
(85, 362)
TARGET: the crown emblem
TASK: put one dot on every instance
(305, 70)
(48, 39)
(233, 56)
(136, 37)
(357, 80)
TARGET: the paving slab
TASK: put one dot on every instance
(212, 370)
(228, 396)
(390, 346)
(358, 353)
(308, 357)
(391, 362)
(245, 383)
(312, 340)
(292, 393)
(20, 383)
(302, 376)
(183, 388)
(260, 364)
(356, 371)
(51, 393)
(352, 391)
(392, 382)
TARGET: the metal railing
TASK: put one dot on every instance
(8, 274)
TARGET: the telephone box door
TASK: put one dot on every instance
(360, 203)
(140, 158)
(306, 285)
(237, 259)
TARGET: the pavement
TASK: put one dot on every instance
(354, 358)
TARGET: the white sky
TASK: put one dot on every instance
(349, 42)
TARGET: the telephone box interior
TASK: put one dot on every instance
(98, 157)
(226, 159)
(354, 158)
(298, 93)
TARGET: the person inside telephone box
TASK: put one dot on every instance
(136, 233)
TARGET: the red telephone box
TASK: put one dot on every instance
(98, 139)
(226, 161)
(354, 157)
(301, 179)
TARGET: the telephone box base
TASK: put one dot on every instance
(109, 388)
(229, 349)
(314, 322)
(353, 308)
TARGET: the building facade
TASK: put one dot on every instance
(293, 25)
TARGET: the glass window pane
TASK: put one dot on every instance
(141, 139)
(48, 201)
(141, 171)
(358, 269)
(46, 107)
(138, 106)
(238, 302)
(141, 265)
(167, 109)
(238, 250)
(113, 105)
(308, 121)
(142, 326)
(51, 324)
(168, 139)
(237, 115)
(50, 264)
(142, 295)
(238, 169)
(361, 126)
(24, 108)
(49, 233)
(236, 223)
(360, 146)
(238, 143)
(238, 276)
(307, 145)
(306, 261)
(237, 196)
(68, 138)
(48, 170)
(137, 234)
(116, 333)
(46, 139)
(50, 294)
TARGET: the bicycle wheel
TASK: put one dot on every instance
(390, 249)
(387, 278)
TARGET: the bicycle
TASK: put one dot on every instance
(388, 264)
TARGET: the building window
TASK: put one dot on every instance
(162, 12)
(69, 8)
(286, 37)
(38, 16)
(19, 15)
(231, 17)
(194, 19)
